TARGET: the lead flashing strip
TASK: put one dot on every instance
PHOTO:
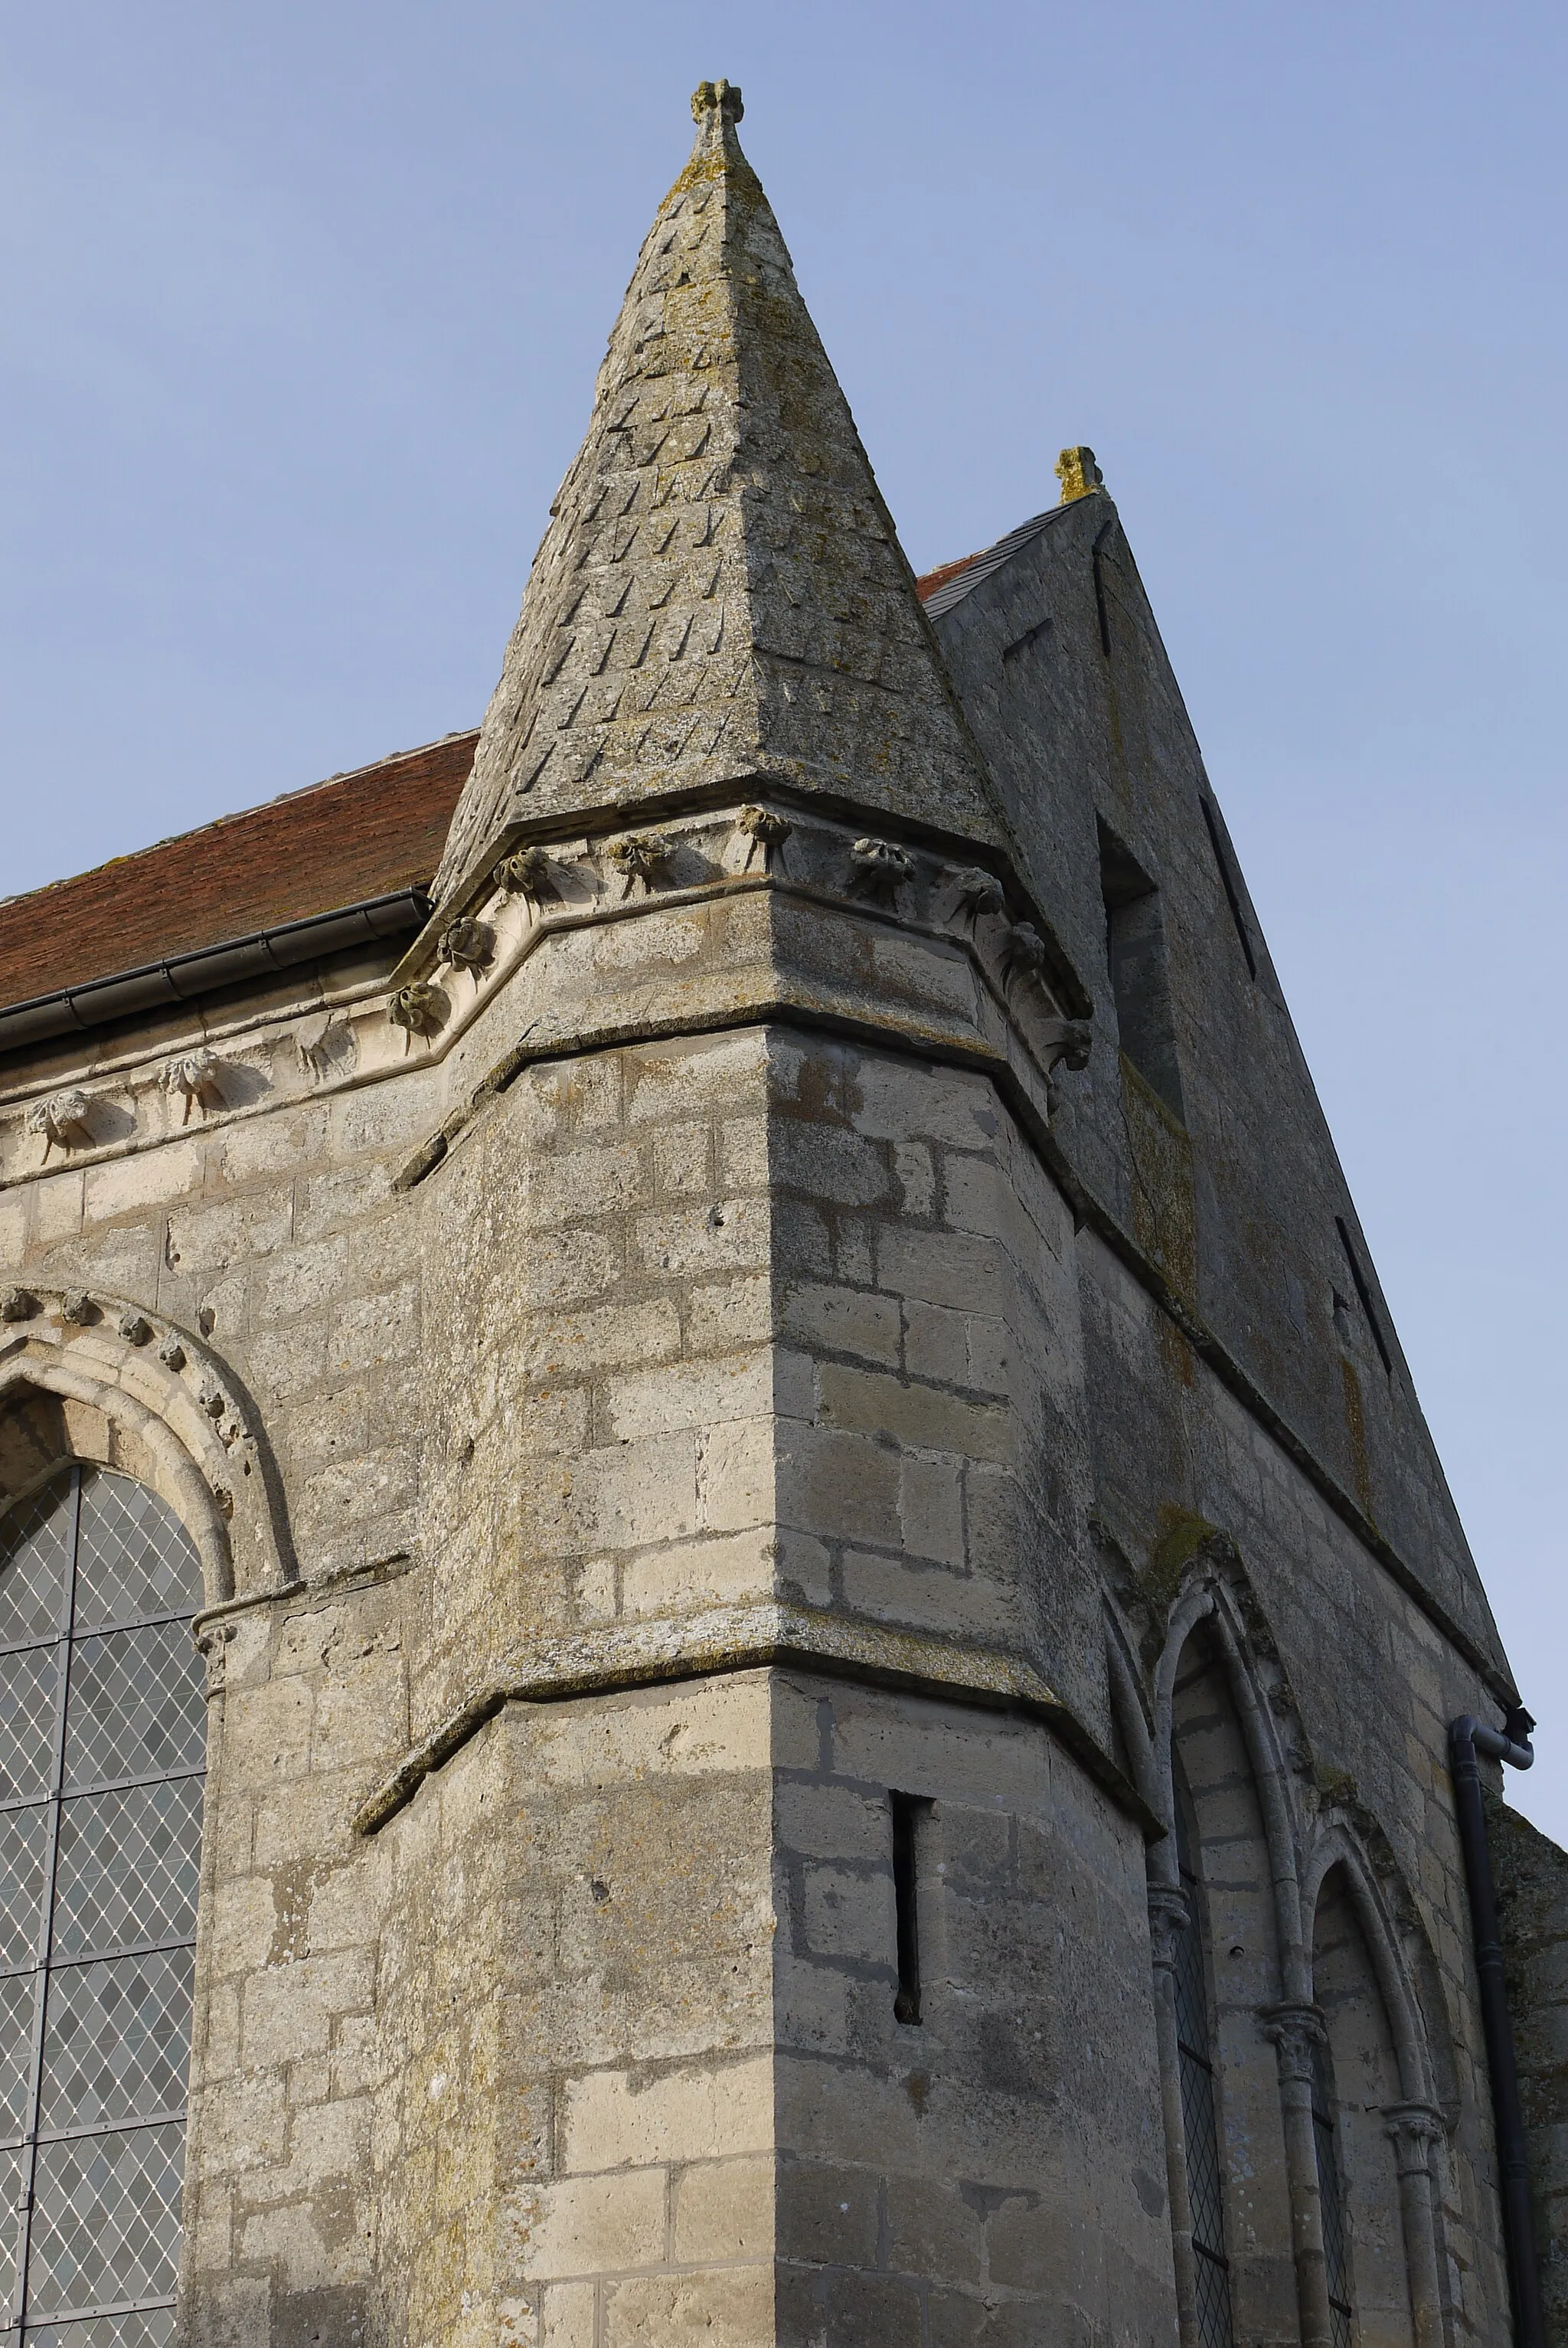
(749, 1637)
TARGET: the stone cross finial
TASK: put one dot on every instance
(1078, 474)
(722, 97)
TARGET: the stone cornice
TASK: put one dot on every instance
(726, 1639)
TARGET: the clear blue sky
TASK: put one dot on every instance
(302, 308)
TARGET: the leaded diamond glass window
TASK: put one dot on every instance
(102, 1739)
(1200, 2124)
(1331, 2199)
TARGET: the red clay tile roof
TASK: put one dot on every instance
(361, 834)
(367, 834)
(928, 581)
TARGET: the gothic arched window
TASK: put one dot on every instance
(1200, 2120)
(1331, 2198)
(102, 1751)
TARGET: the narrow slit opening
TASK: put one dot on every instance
(907, 1810)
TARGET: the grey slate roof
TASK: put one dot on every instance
(980, 566)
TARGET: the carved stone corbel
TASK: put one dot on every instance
(765, 832)
(418, 1009)
(976, 893)
(526, 873)
(642, 858)
(878, 869)
(1022, 955)
(189, 1078)
(1065, 1043)
(61, 1118)
(1169, 1916)
(212, 1646)
(467, 945)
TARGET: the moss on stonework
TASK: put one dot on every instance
(1182, 1535)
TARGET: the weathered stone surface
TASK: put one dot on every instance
(727, 1461)
(721, 590)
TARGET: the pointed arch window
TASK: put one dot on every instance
(1331, 2199)
(1200, 2123)
(102, 1752)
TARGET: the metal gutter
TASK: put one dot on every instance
(181, 978)
(1467, 1737)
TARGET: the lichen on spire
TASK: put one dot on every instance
(721, 594)
(1078, 474)
(721, 98)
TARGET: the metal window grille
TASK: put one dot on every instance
(1331, 2199)
(1200, 2124)
(102, 1749)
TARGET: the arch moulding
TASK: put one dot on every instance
(143, 1396)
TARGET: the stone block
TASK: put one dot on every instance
(370, 1330)
(721, 1570)
(841, 1485)
(724, 2212)
(596, 2225)
(940, 1268)
(569, 2316)
(909, 1412)
(615, 2119)
(735, 1475)
(204, 1240)
(561, 1267)
(844, 1321)
(724, 1312)
(726, 2307)
(567, 1345)
(570, 1184)
(153, 1178)
(933, 2230)
(848, 1912)
(305, 1279)
(689, 1393)
(689, 1242)
(683, 1161)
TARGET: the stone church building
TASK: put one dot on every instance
(725, 1615)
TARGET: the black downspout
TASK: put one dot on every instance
(1467, 1737)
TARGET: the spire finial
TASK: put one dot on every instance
(1078, 474)
(720, 97)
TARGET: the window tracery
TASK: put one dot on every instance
(102, 1759)
(1200, 2120)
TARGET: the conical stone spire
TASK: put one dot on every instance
(721, 595)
